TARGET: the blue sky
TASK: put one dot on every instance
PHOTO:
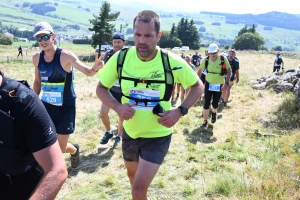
(227, 6)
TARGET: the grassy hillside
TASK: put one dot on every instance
(249, 153)
(74, 12)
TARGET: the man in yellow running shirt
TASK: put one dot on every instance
(147, 132)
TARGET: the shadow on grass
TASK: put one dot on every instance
(91, 163)
(203, 135)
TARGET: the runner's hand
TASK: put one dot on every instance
(169, 118)
(99, 63)
(125, 111)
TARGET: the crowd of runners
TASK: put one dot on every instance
(149, 88)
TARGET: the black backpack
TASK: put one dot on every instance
(279, 60)
(169, 78)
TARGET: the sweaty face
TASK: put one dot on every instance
(118, 44)
(145, 39)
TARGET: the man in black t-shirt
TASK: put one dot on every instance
(118, 42)
(235, 75)
(31, 162)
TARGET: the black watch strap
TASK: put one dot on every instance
(183, 110)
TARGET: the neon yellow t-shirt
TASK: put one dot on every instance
(215, 67)
(144, 123)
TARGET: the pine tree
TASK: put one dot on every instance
(102, 25)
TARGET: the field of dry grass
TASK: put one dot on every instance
(228, 160)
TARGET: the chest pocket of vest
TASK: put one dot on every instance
(7, 131)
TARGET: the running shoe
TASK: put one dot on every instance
(213, 117)
(75, 159)
(106, 137)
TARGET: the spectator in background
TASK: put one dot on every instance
(20, 50)
(278, 62)
(118, 42)
(235, 76)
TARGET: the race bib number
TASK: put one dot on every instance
(144, 94)
(53, 98)
(214, 87)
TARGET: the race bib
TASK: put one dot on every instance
(53, 98)
(214, 87)
(144, 94)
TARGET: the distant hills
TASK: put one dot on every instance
(272, 19)
(72, 18)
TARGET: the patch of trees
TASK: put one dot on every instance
(268, 28)
(26, 4)
(87, 9)
(277, 48)
(199, 22)
(202, 29)
(216, 24)
(248, 38)
(184, 34)
(273, 19)
(102, 25)
(22, 34)
(42, 8)
(5, 40)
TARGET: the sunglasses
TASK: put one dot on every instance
(44, 37)
(213, 53)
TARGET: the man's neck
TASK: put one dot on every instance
(50, 52)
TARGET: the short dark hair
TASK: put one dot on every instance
(148, 16)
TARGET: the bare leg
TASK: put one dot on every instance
(141, 175)
(120, 126)
(104, 116)
(64, 145)
(205, 113)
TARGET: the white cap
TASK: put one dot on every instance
(212, 48)
(42, 28)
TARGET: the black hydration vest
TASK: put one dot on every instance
(169, 78)
(13, 161)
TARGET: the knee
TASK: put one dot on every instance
(103, 114)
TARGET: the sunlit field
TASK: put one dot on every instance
(249, 153)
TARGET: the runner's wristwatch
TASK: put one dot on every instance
(183, 110)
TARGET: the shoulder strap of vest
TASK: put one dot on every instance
(169, 78)
(10, 92)
(223, 65)
(206, 62)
